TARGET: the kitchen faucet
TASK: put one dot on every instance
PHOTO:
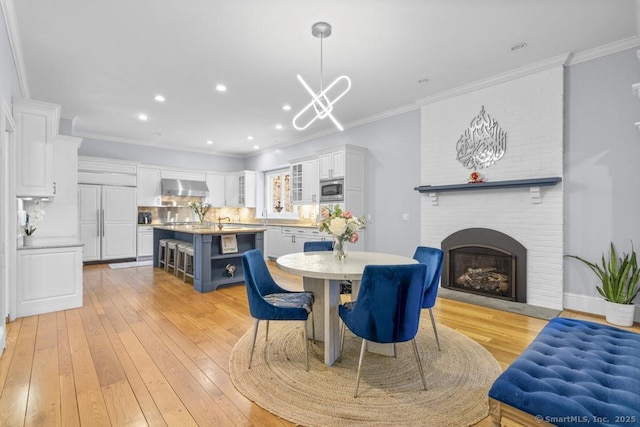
(220, 221)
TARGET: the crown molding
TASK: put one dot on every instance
(109, 138)
(607, 49)
(11, 22)
(553, 62)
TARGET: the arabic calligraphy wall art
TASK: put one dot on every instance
(482, 144)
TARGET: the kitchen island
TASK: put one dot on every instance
(210, 261)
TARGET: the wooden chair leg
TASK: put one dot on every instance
(253, 342)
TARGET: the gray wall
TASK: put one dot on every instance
(156, 156)
(392, 170)
(602, 163)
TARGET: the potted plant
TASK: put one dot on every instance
(619, 284)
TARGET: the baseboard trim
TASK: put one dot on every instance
(588, 304)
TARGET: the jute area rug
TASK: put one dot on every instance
(391, 393)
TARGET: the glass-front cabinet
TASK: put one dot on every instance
(304, 182)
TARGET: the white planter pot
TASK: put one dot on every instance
(619, 314)
(27, 240)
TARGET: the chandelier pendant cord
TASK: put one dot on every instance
(321, 68)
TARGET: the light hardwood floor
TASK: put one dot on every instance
(145, 349)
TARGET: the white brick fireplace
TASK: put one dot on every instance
(529, 107)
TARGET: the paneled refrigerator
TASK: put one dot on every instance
(108, 222)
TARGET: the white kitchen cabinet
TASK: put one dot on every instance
(304, 182)
(332, 164)
(145, 241)
(348, 162)
(148, 186)
(107, 222)
(292, 239)
(216, 183)
(48, 279)
(272, 242)
(36, 128)
(240, 189)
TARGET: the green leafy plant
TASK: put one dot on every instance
(619, 276)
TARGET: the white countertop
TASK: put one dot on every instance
(52, 243)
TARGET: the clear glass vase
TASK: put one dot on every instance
(339, 249)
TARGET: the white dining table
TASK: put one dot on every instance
(322, 274)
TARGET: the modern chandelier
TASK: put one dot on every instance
(322, 102)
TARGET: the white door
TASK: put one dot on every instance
(119, 225)
(90, 219)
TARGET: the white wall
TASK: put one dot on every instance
(602, 157)
(9, 85)
(529, 109)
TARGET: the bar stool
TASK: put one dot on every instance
(180, 257)
(170, 255)
(188, 262)
(162, 253)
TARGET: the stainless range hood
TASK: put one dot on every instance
(183, 188)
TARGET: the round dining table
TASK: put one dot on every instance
(322, 274)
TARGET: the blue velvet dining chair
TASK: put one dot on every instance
(433, 258)
(387, 308)
(326, 245)
(268, 301)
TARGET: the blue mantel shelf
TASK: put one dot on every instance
(534, 184)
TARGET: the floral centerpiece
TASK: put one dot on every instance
(343, 226)
(200, 209)
(32, 217)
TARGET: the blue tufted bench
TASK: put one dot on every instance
(574, 373)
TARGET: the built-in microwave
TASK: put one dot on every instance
(331, 190)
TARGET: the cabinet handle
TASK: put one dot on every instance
(98, 222)
(102, 222)
(54, 188)
(313, 198)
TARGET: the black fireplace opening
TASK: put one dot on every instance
(483, 270)
(485, 262)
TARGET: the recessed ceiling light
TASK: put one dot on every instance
(286, 107)
(209, 141)
(250, 138)
(278, 126)
(518, 46)
(221, 88)
(423, 80)
(159, 98)
(256, 147)
(143, 117)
